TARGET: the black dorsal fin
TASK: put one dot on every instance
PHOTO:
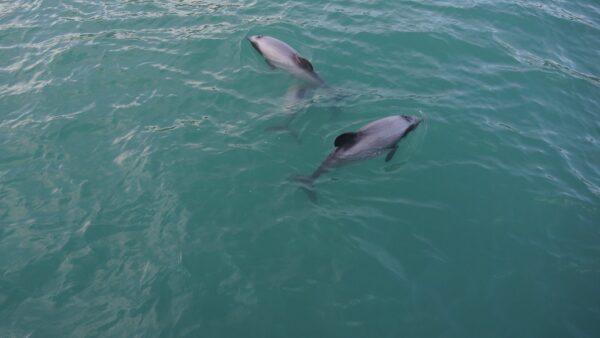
(304, 63)
(345, 140)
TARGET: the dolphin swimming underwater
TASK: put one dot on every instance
(279, 54)
(369, 141)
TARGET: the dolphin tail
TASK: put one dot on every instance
(307, 184)
(335, 97)
(288, 129)
(319, 81)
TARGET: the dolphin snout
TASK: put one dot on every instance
(254, 41)
(414, 122)
(254, 38)
(412, 119)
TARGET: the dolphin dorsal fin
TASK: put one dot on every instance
(304, 63)
(345, 140)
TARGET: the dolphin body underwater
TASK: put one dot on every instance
(369, 141)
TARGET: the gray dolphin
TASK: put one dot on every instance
(372, 139)
(279, 54)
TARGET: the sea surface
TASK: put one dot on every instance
(146, 189)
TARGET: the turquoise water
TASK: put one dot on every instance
(141, 195)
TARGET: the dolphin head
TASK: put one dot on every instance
(413, 122)
(412, 119)
(254, 41)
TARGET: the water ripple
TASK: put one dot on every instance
(142, 191)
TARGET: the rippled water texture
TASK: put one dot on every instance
(144, 193)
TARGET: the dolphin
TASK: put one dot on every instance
(279, 54)
(369, 141)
